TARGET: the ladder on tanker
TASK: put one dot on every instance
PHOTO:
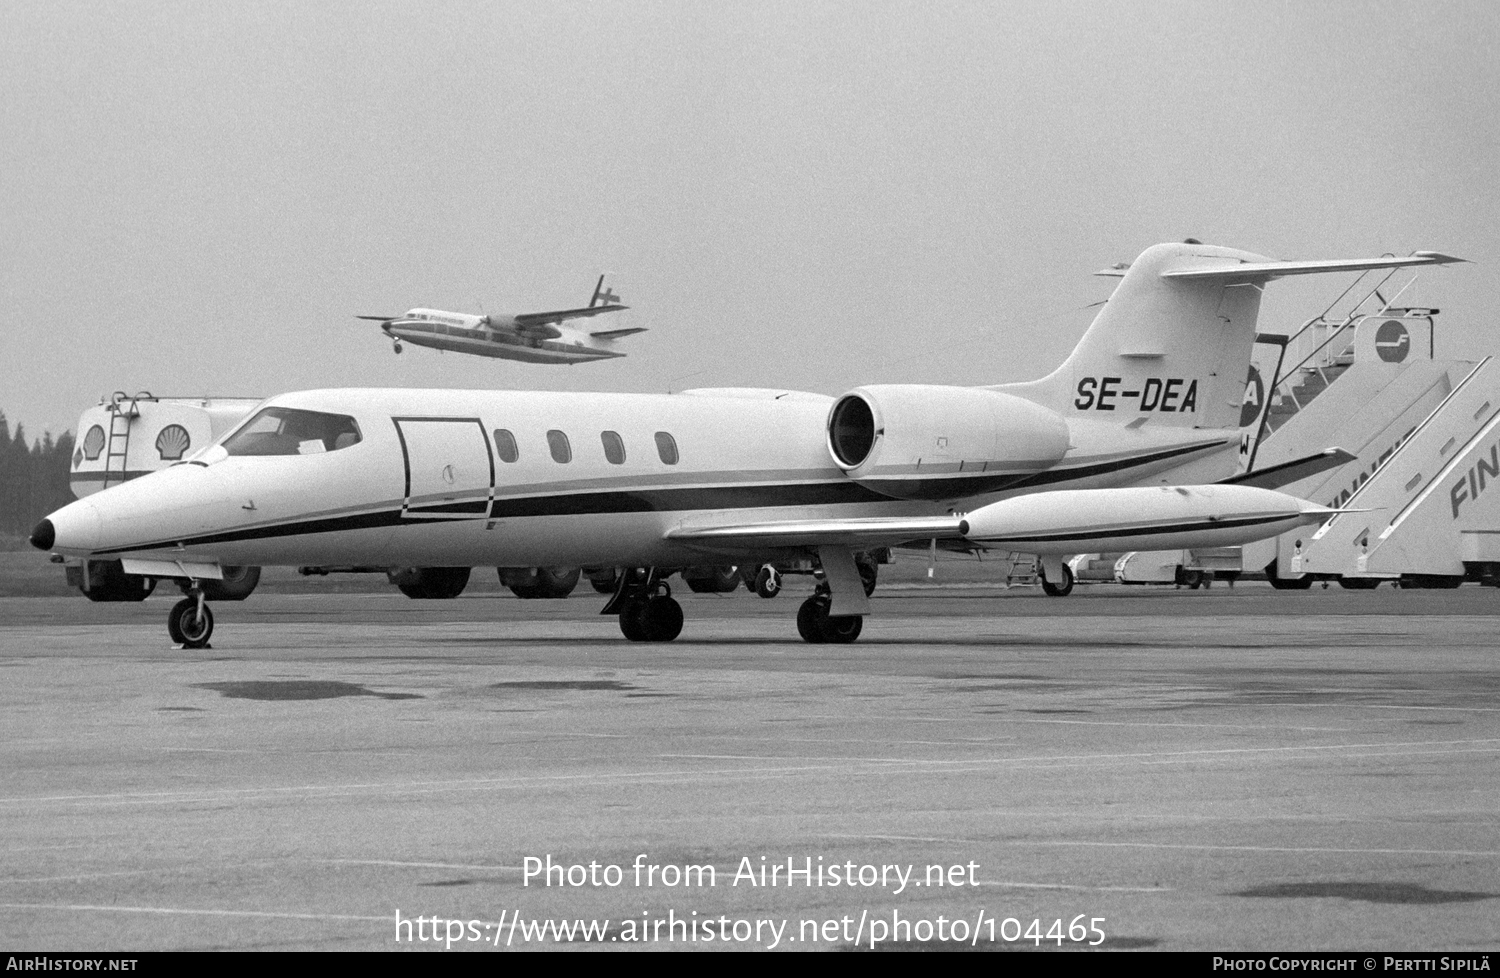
(123, 410)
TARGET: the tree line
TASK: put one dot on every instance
(33, 477)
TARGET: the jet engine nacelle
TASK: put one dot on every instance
(922, 441)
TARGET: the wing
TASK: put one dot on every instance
(610, 334)
(857, 534)
(1276, 476)
(531, 319)
(1064, 521)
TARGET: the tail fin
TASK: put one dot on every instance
(603, 295)
(1173, 342)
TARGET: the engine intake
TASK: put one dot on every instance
(919, 441)
(851, 431)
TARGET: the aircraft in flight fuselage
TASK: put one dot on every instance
(531, 337)
(1127, 445)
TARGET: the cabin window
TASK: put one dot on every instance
(291, 431)
(666, 447)
(557, 442)
(614, 447)
(505, 445)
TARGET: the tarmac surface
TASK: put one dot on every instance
(1206, 770)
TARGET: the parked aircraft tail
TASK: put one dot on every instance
(1172, 345)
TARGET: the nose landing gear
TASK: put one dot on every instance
(190, 622)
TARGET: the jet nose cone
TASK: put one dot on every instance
(44, 536)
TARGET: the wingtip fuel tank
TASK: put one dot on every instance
(1138, 518)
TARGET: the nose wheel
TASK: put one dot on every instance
(190, 623)
(767, 582)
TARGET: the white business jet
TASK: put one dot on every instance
(1119, 448)
(531, 337)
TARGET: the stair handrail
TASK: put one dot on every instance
(1349, 320)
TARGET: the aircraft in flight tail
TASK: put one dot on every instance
(1120, 446)
(531, 337)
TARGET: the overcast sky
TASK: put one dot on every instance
(199, 197)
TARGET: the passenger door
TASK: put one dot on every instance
(450, 473)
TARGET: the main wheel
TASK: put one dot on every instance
(187, 627)
(842, 629)
(1359, 583)
(767, 582)
(661, 619)
(811, 617)
(868, 574)
(631, 624)
(1062, 588)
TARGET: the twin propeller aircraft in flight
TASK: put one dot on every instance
(532, 337)
(1130, 444)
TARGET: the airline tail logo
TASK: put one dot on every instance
(1392, 341)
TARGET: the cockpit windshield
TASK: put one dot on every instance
(292, 431)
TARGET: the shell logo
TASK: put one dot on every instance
(172, 442)
(93, 443)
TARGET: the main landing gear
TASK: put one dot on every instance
(190, 622)
(647, 610)
(818, 627)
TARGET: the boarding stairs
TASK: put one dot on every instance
(1423, 511)
(1323, 348)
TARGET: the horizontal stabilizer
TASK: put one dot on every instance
(1263, 271)
(1276, 476)
(610, 334)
